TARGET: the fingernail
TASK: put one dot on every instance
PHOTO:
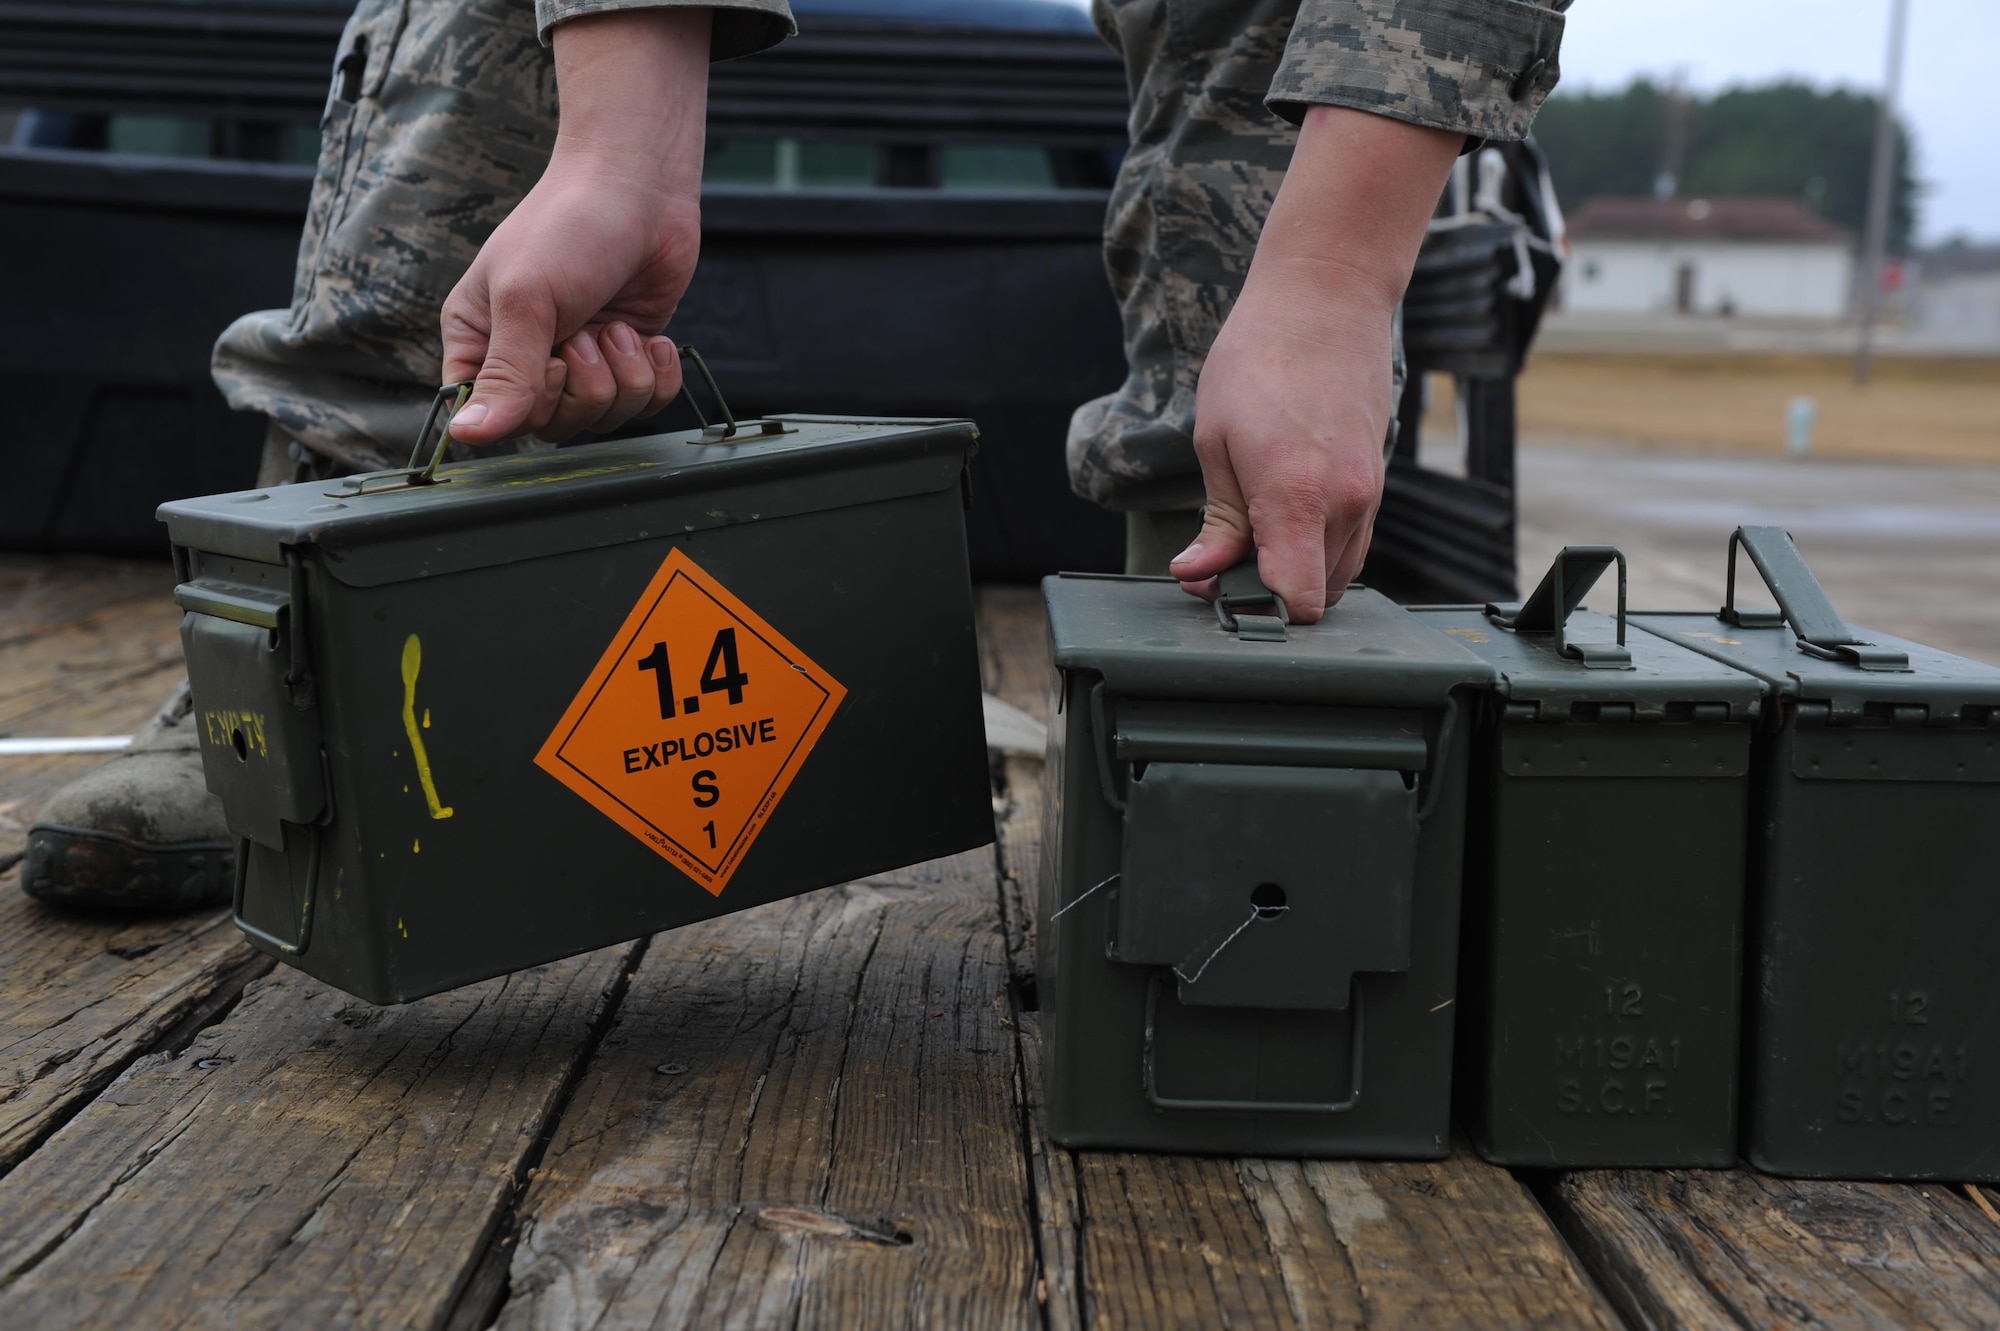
(473, 413)
(586, 347)
(661, 350)
(1192, 552)
(623, 339)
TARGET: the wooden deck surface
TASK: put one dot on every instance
(818, 1113)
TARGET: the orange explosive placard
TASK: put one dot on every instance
(693, 723)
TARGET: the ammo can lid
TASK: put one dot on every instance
(1148, 638)
(1806, 652)
(1944, 684)
(373, 531)
(1658, 675)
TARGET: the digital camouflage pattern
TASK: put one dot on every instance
(1210, 80)
(441, 117)
(1482, 67)
(741, 27)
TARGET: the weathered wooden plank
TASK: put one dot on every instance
(1052, 1171)
(1732, 1248)
(88, 646)
(1197, 1242)
(83, 995)
(309, 1161)
(803, 1115)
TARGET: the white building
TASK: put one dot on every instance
(1760, 257)
(1955, 298)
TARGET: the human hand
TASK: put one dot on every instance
(558, 317)
(1293, 406)
(1290, 417)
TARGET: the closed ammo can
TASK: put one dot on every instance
(1872, 1047)
(1604, 886)
(1249, 914)
(545, 703)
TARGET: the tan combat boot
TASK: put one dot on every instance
(139, 833)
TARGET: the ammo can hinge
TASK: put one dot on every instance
(1104, 741)
(298, 674)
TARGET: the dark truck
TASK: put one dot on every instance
(901, 216)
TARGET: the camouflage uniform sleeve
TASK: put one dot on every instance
(742, 27)
(1480, 67)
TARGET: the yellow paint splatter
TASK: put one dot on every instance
(413, 660)
(406, 790)
(401, 928)
(427, 718)
(416, 846)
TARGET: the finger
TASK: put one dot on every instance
(631, 369)
(1348, 560)
(465, 322)
(666, 358)
(554, 375)
(1292, 531)
(513, 377)
(588, 387)
(1224, 539)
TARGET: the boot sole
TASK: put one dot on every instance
(76, 866)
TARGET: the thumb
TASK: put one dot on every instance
(1224, 539)
(1223, 542)
(514, 373)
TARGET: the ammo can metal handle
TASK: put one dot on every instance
(1150, 1080)
(1561, 591)
(1242, 585)
(1802, 603)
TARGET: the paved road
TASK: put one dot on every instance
(1908, 549)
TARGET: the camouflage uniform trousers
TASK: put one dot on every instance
(441, 117)
(1205, 162)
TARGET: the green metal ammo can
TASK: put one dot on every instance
(471, 719)
(1873, 989)
(1251, 870)
(1604, 886)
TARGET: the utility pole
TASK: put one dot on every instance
(1881, 188)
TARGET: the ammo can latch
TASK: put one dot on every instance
(1269, 850)
(249, 658)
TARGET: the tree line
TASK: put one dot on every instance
(1785, 140)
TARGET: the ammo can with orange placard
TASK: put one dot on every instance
(474, 718)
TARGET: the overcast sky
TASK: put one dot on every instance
(1949, 61)
(1951, 67)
